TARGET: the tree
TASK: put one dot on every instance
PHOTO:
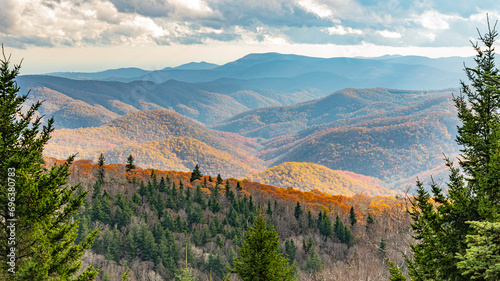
(196, 174)
(352, 216)
(260, 255)
(313, 261)
(269, 210)
(290, 250)
(100, 172)
(482, 258)
(396, 273)
(130, 163)
(298, 211)
(441, 221)
(37, 204)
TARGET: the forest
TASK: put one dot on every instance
(153, 221)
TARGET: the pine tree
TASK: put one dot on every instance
(100, 172)
(269, 211)
(298, 210)
(473, 188)
(290, 250)
(130, 163)
(260, 255)
(41, 202)
(313, 261)
(352, 216)
(219, 179)
(196, 174)
(396, 273)
(482, 259)
(310, 219)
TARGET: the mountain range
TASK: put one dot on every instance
(256, 115)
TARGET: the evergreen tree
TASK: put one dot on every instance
(313, 261)
(269, 211)
(482, 258)
(196, 174)
(44, 203)
(473, 188)
(396, 273)
(310, 219)
(163, 185)
(298, 210)
(130, 163)
(352, 216)
(260, 255)
(290, 250)
(219, 179)
(100, 172)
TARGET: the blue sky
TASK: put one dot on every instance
(89, 35)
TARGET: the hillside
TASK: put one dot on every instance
(86, 103)
(391, 149)
(342, 105)
(310, 176)
(159, 138)
(155, 220)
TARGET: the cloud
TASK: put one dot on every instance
(434, 20)
(389, 34)
(58, 23)
(340, 30)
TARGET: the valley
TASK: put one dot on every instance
(249, 123)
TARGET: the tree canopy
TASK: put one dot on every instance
(447, 225)
(260, 255)
(41, 205)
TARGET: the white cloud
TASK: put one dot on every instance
(196, 5)
(389, 34)
(434, 20)
(340, 30)
(321, 10)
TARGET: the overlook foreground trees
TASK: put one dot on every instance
(450, 229)
(37, 233)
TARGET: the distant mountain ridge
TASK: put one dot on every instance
(407, 72)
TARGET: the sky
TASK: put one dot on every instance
(94, 35)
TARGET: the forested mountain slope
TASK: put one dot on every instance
(153, 221)
(160, 138)
(309, 176)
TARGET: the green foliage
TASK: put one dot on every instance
(325, 225)
(352, 216)
(310, 219)
(260, 257)
(130, 163)
(126, 274)
(196, 174)
(313, 261)
(100, 172)
(44, 204)
(290, 250)
(396, 273)
(269, 211)
(440, 222)
(298, 210)
(105, 276)
(482, 258)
